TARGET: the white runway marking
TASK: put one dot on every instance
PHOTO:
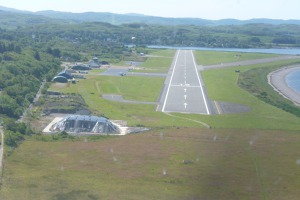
(185, 104)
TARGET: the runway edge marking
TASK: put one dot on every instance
(164, 105)
(218, 107)
(204, 98)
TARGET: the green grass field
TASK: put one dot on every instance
(158, 61)
(215, 57)
(183, 163)
(245, 156)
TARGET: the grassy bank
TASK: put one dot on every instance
(255, 81)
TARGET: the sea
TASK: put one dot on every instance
(293, 80)
(283, 51)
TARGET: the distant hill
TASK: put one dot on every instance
(11, 19)
(139, 18)
(13, 10)
(117, 19)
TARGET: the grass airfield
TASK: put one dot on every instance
(244, 156)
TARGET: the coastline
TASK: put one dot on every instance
(277, 80)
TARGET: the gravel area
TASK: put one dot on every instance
(277, 81)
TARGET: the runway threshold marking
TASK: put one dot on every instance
(163, 109)
(203, 95)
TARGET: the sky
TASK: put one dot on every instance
(205, 9)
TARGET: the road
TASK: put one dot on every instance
(38, 95)
(184, 90)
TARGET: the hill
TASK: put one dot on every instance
(13, 19)
(118, 19)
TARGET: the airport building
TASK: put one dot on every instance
(85, 124)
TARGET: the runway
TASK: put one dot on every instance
(184, 91)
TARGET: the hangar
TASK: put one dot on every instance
(85, 123)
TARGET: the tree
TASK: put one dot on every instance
(56, 53)
(37, 55)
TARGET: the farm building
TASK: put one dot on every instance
(85, 123)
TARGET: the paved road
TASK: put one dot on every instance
(125, 71)
(38, 95)
(184, 90)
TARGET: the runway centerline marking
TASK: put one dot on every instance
(185, 105)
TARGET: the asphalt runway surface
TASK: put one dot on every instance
(184, 90)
